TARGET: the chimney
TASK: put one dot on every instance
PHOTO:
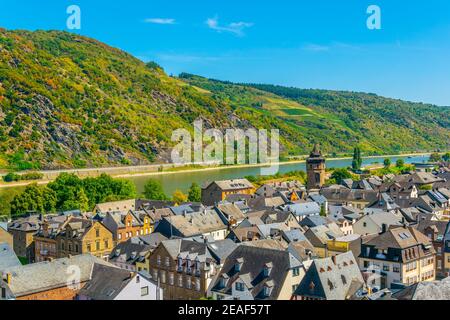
(45, 229)
(383, 228)
(7, 278)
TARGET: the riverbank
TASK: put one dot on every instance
(170, 169)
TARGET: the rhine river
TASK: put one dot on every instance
(183, 180)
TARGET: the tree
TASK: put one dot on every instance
(435, 157)
(179, 197)
(446, 157)
(387, 163)
(34, 199)
(323, 213)
(357, 160)
(195, 193)
(341, 174)
(153, 190)
(10, 177)
(400, 163)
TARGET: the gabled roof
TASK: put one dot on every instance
(185, 248)
(335, 278)
(42, 276)
(124, 205)
(303, 209)
(435, 290)
(106, 282)
(197, 223)
(235, 184)
(8, 258)
(129, 252)
(231, 210)
(399, 238)
(253, 260)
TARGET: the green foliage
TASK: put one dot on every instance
(446, 157)
(339, 175)
(34, 199)
(69, 192)
(400, 163)
(10, 177)
(387, 162)
(195, 193)
(357, 159)
(435, 157)
(426, 187)
(323, 212)
(72, 102)
(153, 190)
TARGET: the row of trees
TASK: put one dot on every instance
(69, 192)
(153, 190)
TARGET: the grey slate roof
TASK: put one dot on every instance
(303, 209)
(253, 260)
(106, 283)
(335, 278)
(129, 252)
(435, 290)
(38, 277)
(8, 258)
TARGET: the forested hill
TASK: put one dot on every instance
(339, 119)
(69, 101)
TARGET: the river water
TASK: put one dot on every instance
(183, 180)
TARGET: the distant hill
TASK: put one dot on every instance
(340, 120)
(67, 101)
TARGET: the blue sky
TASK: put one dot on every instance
(309, 44)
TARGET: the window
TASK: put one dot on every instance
(89, 247)
(239, 286)
(3, 293)
(171, 279)
(386, 268)
(106, 244)
(144, 291)
(155, 275)
(120, 236)
(188, 283)
(296, 272)
(163, 277)
(180, 281)
(97, 246)
(97, 233)
(138, 279)
(396, 269)
(197, 284)
(62, 245)
(158, 260)
(76, 248)
(167, 262)
(266, 291)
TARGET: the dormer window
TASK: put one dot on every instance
(180, 264)
(238, 265)
(240, 286)
(188, 265)
(267, 269)
(266, 291)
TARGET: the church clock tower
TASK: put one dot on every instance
(315, 169)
